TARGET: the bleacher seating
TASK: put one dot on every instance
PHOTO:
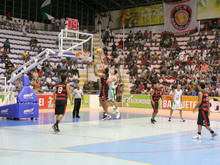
(20, 42)
(182, 43)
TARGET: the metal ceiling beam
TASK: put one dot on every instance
(86, 5)
(132, 2)
(116, 3)
(104, 6)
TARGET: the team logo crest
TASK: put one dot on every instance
(181, 17)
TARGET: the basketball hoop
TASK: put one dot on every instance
(71, 41)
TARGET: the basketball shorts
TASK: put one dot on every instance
(104, 93)
(112, 94)
(155, 106)
(203, 118)
(176, 105)
(60, 109)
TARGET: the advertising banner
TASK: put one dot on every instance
(1, 99)
(132, 17)
(188, 102)
(47, 102)
(214, 104)
(180, 15)
(136, 101)
(85, 105)
(208, 9)
(141, 16)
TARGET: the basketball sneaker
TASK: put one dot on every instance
(106, 116)
(214, 135)
(197, 137)
(153, 121)
(118, 115)
(55, 128)
(183, 120)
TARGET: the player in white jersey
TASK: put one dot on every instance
(177, 102)
(112, 82)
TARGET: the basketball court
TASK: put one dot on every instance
(89, 140)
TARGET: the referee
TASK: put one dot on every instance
(77, 96)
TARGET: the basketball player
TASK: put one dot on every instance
(155, 97)
(177, 102)
(112, 82)
(61, 92)
(103, 96)
(204, 112)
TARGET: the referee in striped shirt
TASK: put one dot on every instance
(78, 98)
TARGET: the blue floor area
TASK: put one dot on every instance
(130, 140)
(49, 118)
(174, 149)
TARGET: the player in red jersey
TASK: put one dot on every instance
(155, 97)
(204, 112)
(61, 93)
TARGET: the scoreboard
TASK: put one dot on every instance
(72, 24)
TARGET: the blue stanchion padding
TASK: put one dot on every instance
(27, 95)
(25, 80)
(20, 111)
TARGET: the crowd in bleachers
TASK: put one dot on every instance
(169, 59)
(149, 57)
(11, 23)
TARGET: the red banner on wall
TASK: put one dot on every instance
(45, 101)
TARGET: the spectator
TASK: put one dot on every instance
(33, 43)
(25, 55)
(75, 70)
(154, 39)
(86, 87)
(112, 36)
(24, 29)
(35, 75)
(114, 48)
(37, 85)
(155, 57)
(6, 45)
(40, 74)
(204, 67)
(4, 55)
(39, 49)
(9, 64)
(49, 82)
(32, 27)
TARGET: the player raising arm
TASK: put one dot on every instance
(103, 95)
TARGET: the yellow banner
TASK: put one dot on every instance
(141, 16)
(208, 9)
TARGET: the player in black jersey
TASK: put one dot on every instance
(61, 93)
(103, 96)
(155, 97)
(204, 112)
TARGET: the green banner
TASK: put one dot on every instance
(1, 99)
(85, 105)
(137, 101)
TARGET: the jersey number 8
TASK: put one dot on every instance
(60, 89)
